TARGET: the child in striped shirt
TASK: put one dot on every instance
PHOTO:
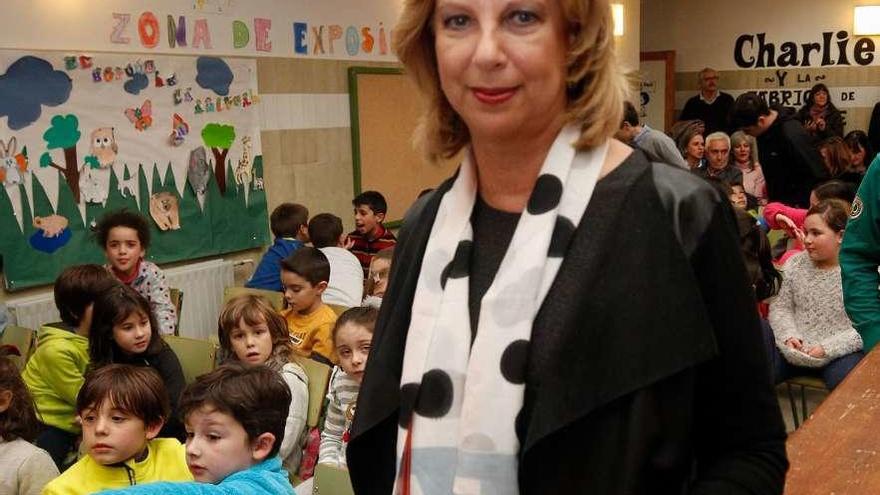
(352, 337)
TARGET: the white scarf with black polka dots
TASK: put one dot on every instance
(460, 401)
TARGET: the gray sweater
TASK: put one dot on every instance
(809, 307)
(659, 147)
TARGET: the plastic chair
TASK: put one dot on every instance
(197, 357)
(804, 382)
(276, 298)
(177, 300)
(23, 339)
(319, 379)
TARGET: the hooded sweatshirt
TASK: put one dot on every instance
(265, 478)
(54, 375)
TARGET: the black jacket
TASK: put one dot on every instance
(646, 371)
(792, 166)
(166, 363)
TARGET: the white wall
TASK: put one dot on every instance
(88, 25)
(703, 32)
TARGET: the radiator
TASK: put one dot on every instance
(202, 285)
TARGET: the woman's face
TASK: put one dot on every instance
(502, 64)
(820, 98)
(695, 148)
(742, 152)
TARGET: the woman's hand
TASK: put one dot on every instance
(816, 351)
(820, 124)
(794, 343)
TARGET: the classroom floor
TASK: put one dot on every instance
(814, 398)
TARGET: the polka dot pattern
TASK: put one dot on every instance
(435, 394)
(408, 395)
(546, 194)
(513, 361)
(562, 234)
(458, 267)
(478, 442)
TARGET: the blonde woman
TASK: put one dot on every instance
(560, 312)
(744, 156)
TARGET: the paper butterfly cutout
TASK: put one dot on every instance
(179, 130)
(141, 117)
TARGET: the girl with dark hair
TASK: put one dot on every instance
(811, 331)
(24, 468)
(791, 219)
(821, 119)
(124, 331)
(861, 151)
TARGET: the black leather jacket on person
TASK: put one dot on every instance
(646, 371)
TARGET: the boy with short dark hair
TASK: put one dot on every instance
(125, 236)
(369, 236)
(234, 420)
(54, 374)
(346, 285)
(122, 408)
(305, 275)
(289, 224)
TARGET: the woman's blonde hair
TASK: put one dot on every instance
(254, 310)
(739, 137)
(596, 85)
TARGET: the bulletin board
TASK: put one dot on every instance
(385, 109)
(175, 138)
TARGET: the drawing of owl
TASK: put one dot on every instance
(104, 146)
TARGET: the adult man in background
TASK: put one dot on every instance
(657, 146)
(711, 106)
(792, 166)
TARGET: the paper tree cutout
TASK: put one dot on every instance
(219, 138)
(64, 134)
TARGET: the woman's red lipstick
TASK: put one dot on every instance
(493, 96)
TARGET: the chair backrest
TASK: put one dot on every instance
(276, 298)
(177, 300)
(197, 357)
(319, 379)
(332, 480)
(23, 339)
(338, 309)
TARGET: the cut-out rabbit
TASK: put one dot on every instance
(13, 166)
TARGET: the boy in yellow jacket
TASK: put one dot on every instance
(122, 408)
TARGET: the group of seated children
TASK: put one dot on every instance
(105, 378)
(292, 229)
(806, 330)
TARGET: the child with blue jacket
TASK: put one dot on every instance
(235, 418)
(289, 223)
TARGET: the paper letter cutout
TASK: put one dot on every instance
(318, 33)
(383, 43)
(261, 34)
(367, 45)
(148, 29)
(335, 33)
(116, 36)
(352, 41)
(201, 34)
(300, 31)
(240, 34)
(176, 32)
